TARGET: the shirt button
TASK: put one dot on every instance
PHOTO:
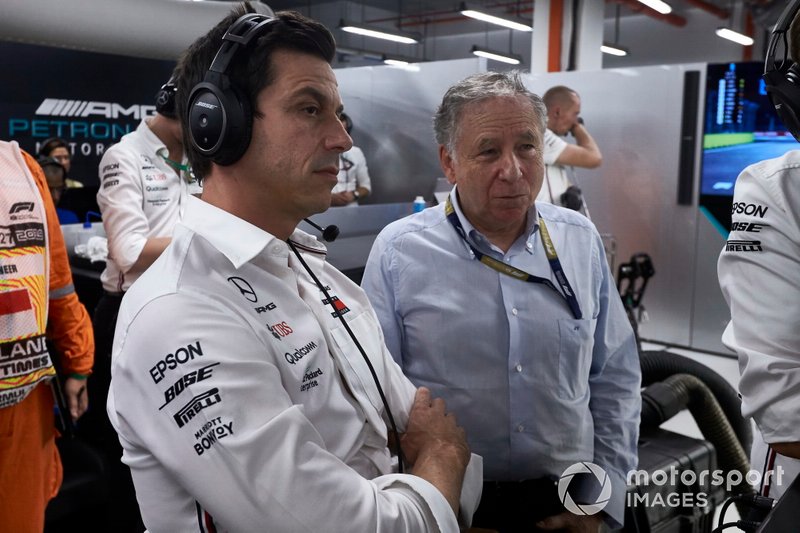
(514, 311)
(518, 368)
(276, 249)
(520, 428)
(529, 245)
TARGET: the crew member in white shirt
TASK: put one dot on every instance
(759, 274)
(354, 182)
(563, 117)
(144, 184)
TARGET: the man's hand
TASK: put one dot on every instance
(436, 446)
(430, 426)
(341, 198)
(77, 397)
(585, 153)
(572, 523)
(789, 449)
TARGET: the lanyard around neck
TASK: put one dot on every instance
(504, 268)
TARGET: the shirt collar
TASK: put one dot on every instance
(151, 138)
(235, 238)
(479, 240)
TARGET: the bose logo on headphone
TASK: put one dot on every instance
(219, 116)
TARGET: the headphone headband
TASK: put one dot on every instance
(218, 113)
(46, 161)
(239, 35)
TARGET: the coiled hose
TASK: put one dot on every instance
(659, 365)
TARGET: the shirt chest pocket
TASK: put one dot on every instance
(355, 369)
(576, 344)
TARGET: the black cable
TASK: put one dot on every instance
(744, 525)
(752, 500)
(360, 349)
(725, 506)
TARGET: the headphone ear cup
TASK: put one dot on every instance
(783, 88)
(165, 100)
(220, 122)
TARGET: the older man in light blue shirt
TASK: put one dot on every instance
(507, 309)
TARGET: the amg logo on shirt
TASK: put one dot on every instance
(743, 246)
(264, 308)
(197, 404)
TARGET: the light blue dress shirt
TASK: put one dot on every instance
(535, 389)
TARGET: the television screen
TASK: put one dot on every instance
(741, 127)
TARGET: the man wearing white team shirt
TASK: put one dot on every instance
(563, 117)
(354, 181)
(242, 399)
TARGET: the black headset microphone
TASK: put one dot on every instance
(220, 123)
(783, 80)
(329, 233)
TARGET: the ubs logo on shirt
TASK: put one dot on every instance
(280, 330)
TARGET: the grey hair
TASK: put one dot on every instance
(475, 88)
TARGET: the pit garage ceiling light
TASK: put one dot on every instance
(506, 22)
(735, 36)
(614, 50)
(658, 5)
(379, 33)
(402, 62)
(511, 59)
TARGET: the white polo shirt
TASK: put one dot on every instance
(240, 399)
(759, 274)
(555, 176)
(140, 197)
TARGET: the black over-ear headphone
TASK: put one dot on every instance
(219, 116)
(783, 80)
(165, 99)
